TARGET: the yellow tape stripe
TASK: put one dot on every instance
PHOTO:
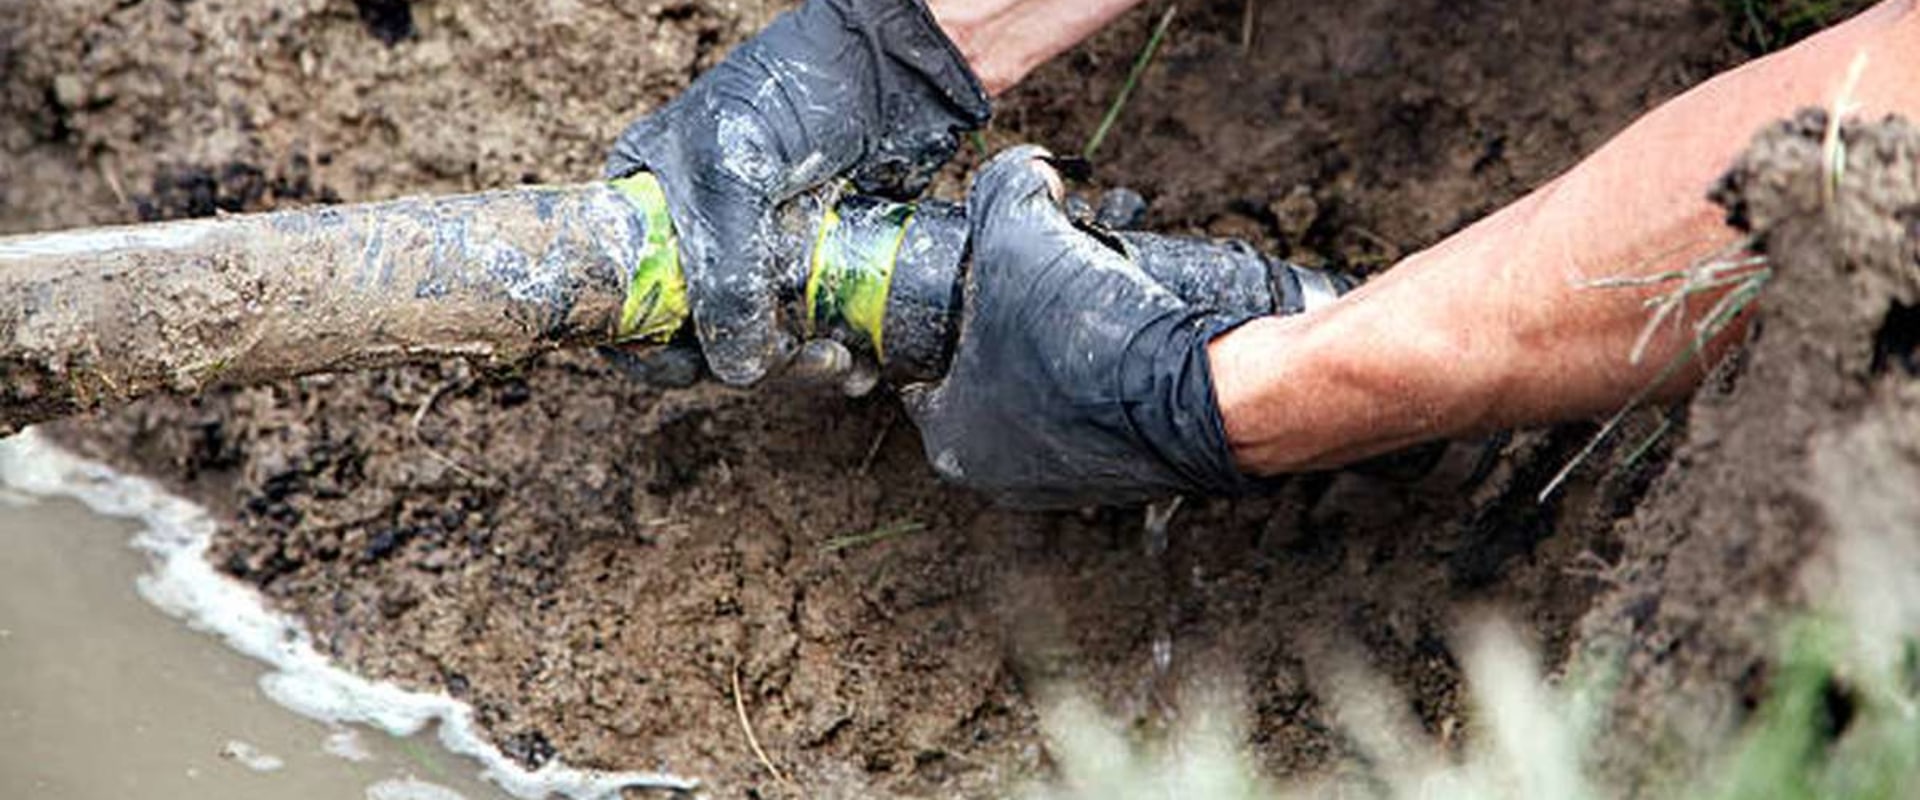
(866, 308)
(656, 306)
(850, 272)
(822, 268)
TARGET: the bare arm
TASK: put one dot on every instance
(1492, 328)
(1006, 39)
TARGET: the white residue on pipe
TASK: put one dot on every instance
(164, 236)
(184, 584)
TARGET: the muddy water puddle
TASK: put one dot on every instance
(128, 668)
(103, 696)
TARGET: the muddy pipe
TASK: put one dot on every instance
(99, 316)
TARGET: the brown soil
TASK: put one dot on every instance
(1816, 425)
(590, 561)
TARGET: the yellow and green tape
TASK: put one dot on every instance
(849, 276)
(656, 304)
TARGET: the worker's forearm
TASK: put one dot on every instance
(1006, 39)
(1496, 327)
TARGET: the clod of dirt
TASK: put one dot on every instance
(1718, 557)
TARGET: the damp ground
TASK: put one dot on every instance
(592, 564)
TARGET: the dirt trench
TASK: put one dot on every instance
(590, 562)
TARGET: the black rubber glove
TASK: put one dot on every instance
(870, 89)
(1077, 379)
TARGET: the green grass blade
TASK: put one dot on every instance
(1133, 79)
(874, 536)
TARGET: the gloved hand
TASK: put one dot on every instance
(1077, 378)
(871, 89)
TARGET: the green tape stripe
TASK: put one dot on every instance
(656, 305)
(852, 270)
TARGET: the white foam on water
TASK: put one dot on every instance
(411, 789)
(251, 757)
(184, 584)
(345, 743)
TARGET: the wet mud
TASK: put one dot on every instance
(593, 563)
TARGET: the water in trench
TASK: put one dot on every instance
(129, 668)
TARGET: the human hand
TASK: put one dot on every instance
(868, 89)
(1077, 379)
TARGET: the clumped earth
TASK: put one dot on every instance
(1811, 436)
(593, 563)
